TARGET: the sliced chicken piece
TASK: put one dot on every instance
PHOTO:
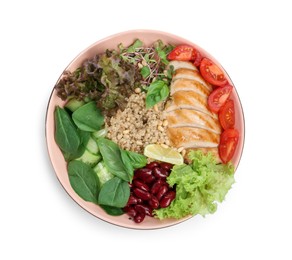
(189, 85)
(190, 137)
(182, 65)
(189, 100)
(192, 118)
(190, 74)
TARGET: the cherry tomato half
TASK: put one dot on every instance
(227, 115)
(227, 146)
(212, 73)
(218, 97)
(185, 53)
(198, 58)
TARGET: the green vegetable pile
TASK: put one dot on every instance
(99, 171)
(110, 77)
(199, 186)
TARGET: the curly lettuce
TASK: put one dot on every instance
(199, 186)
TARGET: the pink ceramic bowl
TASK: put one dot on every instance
(59, 164)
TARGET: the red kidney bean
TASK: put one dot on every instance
(166, 166)
(159, 172)
(132, 200)
(141, 185)
(130, 211)
(142, 194)
(155, 187)
(167, 199)
(139, 217)
(153, 202)
(152, 165)
(162, 190)
(150, 179)
(142, 174)
(144, 209)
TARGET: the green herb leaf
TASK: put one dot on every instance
(136, 44)
(66, 134)
(88, 117)
(114, 193)
(157, 91)
(83, 180)
(112, 158)
(145, 72)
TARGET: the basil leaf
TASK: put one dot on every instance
(145, 72)
(137, 160)
(113, 211)
(83, 180)
(88, 117)
(157, 91)
(112, 158)
(66, 134)
(114, 193)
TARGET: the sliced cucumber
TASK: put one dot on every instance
(89, 158)
(91, 146)
(103, 174)
(100, 133)
(74, 104)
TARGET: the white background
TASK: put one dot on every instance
(251, 39)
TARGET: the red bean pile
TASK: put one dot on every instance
(149, 190)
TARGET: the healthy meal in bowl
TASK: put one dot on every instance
(148, 131)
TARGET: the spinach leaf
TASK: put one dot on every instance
(114, 211)
(115, 193)
(88, 117)
(84, 181)
(69, 156)
(84, 136)
(112, 158)
(137, 160)
(66, 134)
(157, 91)
(127, 164)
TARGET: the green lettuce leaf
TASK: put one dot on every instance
(199, 186)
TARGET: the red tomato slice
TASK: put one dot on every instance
(198, 58)
(212, 73)
(227, 115)
(228, 142)
(218, 97)
(182, 53)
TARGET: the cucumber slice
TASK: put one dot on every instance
(100, 133)
(102, 173)
(74, 104)
(89, 158)
(91, 146)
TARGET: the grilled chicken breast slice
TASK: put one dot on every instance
(192, 118)
(184, 73)
(190, 137)
(189, 100)
(189, 85)
(182, 65)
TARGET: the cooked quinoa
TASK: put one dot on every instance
(135, 127)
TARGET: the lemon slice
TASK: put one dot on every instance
(157, 152)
